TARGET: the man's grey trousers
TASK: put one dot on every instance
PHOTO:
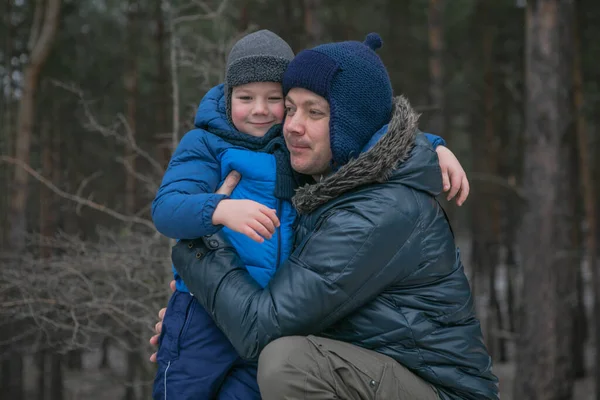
(316, 368)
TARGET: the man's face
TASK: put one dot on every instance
(256, 107)
(306, 132)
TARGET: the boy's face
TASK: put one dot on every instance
(256, 107)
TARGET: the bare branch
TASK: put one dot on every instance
(498, 181)
(82, 186)
(77, 199)
(95, 126)
(207, 14)
(150, 183)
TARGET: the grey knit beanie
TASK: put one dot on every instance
(258, 57)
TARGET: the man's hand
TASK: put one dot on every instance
(158, 326)
(453, 175)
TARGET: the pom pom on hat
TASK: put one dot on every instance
(373, 40)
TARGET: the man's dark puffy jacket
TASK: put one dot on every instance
(375, 265)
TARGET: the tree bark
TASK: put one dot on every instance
(549, 279)
(174, 81)
(436, 65)
(42, 40)
(587, 185)
(579, 336)
(41, 381)
(313, 27)
(132, 367)
(286, 15)
(244, 18)
(56, 377)
(162, 88)
(7, 111)
(131, 86)
(105, 348)
(37, 58)
(491, 165)
(47, 210)
(74, 359)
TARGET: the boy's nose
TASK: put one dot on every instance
(260, 107)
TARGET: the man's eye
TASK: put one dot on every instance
(316, 113)
(289, 110)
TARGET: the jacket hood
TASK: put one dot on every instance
(212, 111)
(396, 153)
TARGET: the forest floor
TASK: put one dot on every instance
(101, 384)
(93, 383)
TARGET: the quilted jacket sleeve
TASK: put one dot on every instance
(435, 140)
(339, 267)
(185, 201)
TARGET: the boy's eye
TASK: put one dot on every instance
(244, 97)
(275, 98)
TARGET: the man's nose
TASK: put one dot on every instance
(293, 125)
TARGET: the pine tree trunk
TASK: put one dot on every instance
(132, 367)
(313, 26)
(286, 15)
(549, 278)
(7, 111)
(73, 360)
(244, 20)
(163, 148)
(47, 211)
(131, 86)
(173, 58)
(41, 381)
(579, 324)
(105, 347)
(41, 39)
(436, 65)
(587, 184)
(497, 344)
(56, 377)
(39, 53)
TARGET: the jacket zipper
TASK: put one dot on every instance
(278, 234)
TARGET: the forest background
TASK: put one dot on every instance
(95, 94)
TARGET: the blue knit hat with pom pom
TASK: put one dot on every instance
(353, 79)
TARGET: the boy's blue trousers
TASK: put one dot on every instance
(196, 360)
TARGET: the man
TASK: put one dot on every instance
(375, 274)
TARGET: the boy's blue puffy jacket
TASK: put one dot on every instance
(185, 201)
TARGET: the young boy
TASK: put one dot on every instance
(195, 359)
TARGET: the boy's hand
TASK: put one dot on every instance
(248, 217)
(244, 216)
(453, 175)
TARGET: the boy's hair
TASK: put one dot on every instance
(258, 57)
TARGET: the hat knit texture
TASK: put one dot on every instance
(258, 57)
(353, 79)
